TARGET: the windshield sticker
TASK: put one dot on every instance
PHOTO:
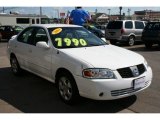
(70, 42)
(56, 31)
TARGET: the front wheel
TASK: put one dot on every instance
(67, 88)
(148, 45)
(15, 66)
(0, 37)
(131, 40)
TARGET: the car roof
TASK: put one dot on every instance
(154, 22)
(128, 20)
(54, 25)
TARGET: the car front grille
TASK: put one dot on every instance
(127, 72)
(126, 91)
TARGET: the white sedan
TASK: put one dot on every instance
(80, 63)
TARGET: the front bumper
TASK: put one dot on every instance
(108, 89)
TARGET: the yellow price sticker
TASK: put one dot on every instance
(56, 31)
(69, 42)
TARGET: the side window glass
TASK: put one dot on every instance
(2, 28)
(128, 25)
(41, 35)
(139, 25)
(156, 26)
(18, 29)
(7, 29)
(26, 36)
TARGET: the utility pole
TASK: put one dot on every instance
(120, 8)
(3, 9)
(129, 12)
(40, 10)
(109, 13)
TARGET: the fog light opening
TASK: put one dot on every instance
(101, 94)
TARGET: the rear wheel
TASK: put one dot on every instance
(148, 45)
(131, 40)
(159, 44)
(67, 88)
(15, 65)
(0, 37)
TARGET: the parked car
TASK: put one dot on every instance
(127, 31)
(95, 30)
(151, 34)
(78, 62)
(7, 31)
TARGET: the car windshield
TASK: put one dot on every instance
(73, 37)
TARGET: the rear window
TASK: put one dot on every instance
(114, 25)
(152, 26)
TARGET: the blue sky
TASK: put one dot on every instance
(53, 12)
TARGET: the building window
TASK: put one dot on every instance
(37, 21)
(33, 21)
(22, 20)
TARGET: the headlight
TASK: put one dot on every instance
(98, 73)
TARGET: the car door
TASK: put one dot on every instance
(22, 47)
(139, 26)
(40, 58)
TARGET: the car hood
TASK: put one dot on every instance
(107, 56)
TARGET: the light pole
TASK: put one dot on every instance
(40, 10)
(3, 9)
(120, 8)
(109, 13)
(129, 12)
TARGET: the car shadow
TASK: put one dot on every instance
(139, 47)
(32, 94)
(144, 49)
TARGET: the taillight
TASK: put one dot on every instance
(122, 31)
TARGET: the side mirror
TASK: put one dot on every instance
(42, 44)
(103, 39)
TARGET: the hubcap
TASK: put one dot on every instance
(65, 88)
(14, 65)
(131, 41)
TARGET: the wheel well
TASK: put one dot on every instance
(12, 55)
(62, 70)
(131, 35)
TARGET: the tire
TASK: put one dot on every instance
(131, 40)
(67, 88)
(148, 45)
(15, 66)
(159, 44)
(0, 37)
(113, 42)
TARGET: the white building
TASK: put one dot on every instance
(22, 19)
